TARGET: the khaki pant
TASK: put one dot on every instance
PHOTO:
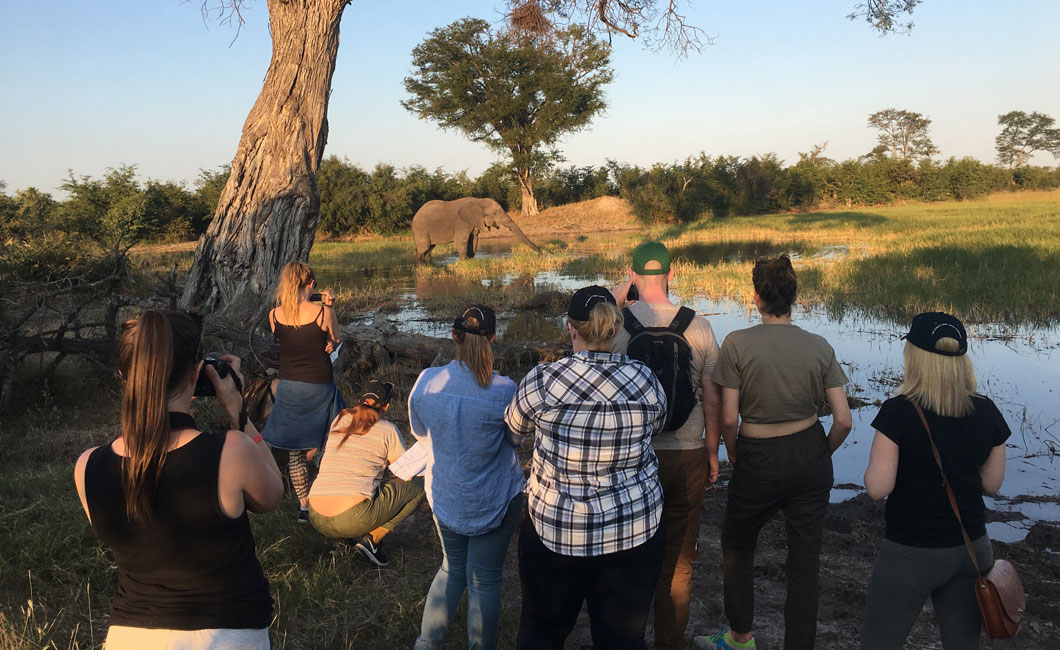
(683, 474)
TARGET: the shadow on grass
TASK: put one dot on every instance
(1003, 284)
(702, 254)
(836, 219)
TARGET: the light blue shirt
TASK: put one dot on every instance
(473, 470)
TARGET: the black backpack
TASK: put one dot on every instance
(666, 351)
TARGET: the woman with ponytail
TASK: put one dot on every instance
(474, 480)
(307, 400)
(170, 500)
(595, 531)
(347, 500)
(775, 379)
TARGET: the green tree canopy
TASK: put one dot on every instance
(518, 95)
(1024, 134)
(902, 133)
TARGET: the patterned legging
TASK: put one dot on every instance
(296, 466)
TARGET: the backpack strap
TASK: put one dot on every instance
(630, 322)
(682, 320)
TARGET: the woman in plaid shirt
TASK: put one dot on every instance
(594, 497)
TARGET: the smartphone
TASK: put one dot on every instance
(632, 293)
(316, 297)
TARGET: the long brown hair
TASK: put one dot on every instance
(293, 278)
(475, 351)
(362, 418)
(156, 354)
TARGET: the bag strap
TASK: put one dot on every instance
(630, 322)
(946, 484)
(682, 320)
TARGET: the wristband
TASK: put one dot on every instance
(256, 439)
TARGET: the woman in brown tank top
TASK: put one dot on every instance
(307, 399)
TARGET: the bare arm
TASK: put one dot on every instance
(79, 480)
(248, 475)
(712, 422)
(841, 420)
(883, 467)
(992, 472)
(730, 420)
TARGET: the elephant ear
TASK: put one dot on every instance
(471, 214)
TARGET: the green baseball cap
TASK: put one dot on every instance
(651, 251)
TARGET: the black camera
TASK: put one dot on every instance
(632, 294)
(203, 385)
(316, 297)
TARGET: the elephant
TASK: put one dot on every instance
(459, 221)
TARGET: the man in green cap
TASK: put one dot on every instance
(657, 332)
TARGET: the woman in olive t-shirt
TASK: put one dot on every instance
(775, 379)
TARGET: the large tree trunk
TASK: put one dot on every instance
(268, 211)
(526, 186)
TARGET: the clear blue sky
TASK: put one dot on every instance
(91, 85)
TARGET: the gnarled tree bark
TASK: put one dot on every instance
(268, 212)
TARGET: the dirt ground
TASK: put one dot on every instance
(853, 532)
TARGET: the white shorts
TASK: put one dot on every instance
(137, 638)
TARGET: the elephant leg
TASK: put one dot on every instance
(462, 240)
(472, 244)
(425, 256)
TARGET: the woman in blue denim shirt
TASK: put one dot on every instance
(474, 480)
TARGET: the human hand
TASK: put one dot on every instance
(712, 459)
(227, 394)
(327, 298)
(329, 347)
(621, 293)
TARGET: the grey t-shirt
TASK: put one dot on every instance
(357, 466)
(701, 339)
(781, 371)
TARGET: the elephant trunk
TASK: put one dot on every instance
(511, 225)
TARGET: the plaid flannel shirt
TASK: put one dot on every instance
(594, 480)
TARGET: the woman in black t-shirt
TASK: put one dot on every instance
(923, 553)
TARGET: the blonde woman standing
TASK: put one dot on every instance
(307, 400)
(474, 480)
(594, 533)
(923, 552)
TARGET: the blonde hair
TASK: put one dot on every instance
(604, 322)
(294, 277)
(475, 351)
(942, 384)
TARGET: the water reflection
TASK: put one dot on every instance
(1015, 365)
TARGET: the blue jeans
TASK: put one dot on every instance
(477, 563)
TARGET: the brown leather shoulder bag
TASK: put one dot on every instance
(999, 591)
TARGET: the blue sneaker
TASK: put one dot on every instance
(723, 641)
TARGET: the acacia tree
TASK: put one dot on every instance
(516, 95)
(903, 133)
(1024, 134)
(269, 208)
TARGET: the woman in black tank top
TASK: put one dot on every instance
(170, 501)
(307, 400)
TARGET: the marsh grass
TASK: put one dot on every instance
(57, 582)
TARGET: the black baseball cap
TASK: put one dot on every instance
(487, 320)
(379, 391)
(583, 301)
(928, 328)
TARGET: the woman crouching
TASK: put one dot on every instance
(594, 532)
(346, 500)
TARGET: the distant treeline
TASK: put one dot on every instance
(118, 209)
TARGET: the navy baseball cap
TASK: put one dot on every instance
(928, 328)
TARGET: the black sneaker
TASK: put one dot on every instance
(374, 554)
(303, 516)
